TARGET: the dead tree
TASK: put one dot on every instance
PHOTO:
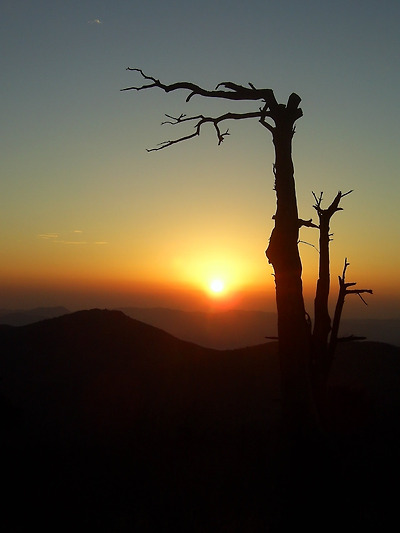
(343, 292)
(322, 319)
(296, 340)
(325, 334)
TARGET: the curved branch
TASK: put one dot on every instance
(201, 119)
(234, 92)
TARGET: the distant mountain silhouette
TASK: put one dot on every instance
(21, 318)
(381, 330)
(110, 424)
(221, 330)
(237, 329)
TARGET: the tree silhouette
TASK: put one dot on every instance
(305, 354)
(325, 335)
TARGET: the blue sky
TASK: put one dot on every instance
(81, 199)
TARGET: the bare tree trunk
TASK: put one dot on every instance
(303, 448)
(293, 327)
(322, 320)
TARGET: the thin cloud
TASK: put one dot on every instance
(48, 236)
(73, 242)
(58, 238)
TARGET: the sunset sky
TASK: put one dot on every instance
(89, 218)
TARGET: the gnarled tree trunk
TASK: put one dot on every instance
(293, 324)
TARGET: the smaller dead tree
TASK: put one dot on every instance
(343, 292)
(322, 319)
(325, 333)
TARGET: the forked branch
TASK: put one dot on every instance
(333, 208)
(345, 286)
(200, 120)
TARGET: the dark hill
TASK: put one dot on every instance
(110, 424)
(102, 360)
(109, 420)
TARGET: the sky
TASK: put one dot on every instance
(89, 218)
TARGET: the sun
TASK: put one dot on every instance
(217, 286)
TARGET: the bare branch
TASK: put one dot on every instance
(307, 223)
(165, 144)
(333, 208)
(309, 244)
(351, 338)
(346, 193)
(201, 119)
(264, 113)
(234, 92)
(175, 120)
(359, 292)
(362, 299)
(318, 200)
(346, 264)
(230, 91)
(343, 292)
(344, 286)
(266, 124)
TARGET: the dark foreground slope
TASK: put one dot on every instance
(113, 425)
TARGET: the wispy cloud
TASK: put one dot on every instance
(73, 242)
(95, 21)
(48, 236)
(58, 238)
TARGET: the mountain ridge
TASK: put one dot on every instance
(220, 329)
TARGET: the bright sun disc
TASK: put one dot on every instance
(217, 285)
